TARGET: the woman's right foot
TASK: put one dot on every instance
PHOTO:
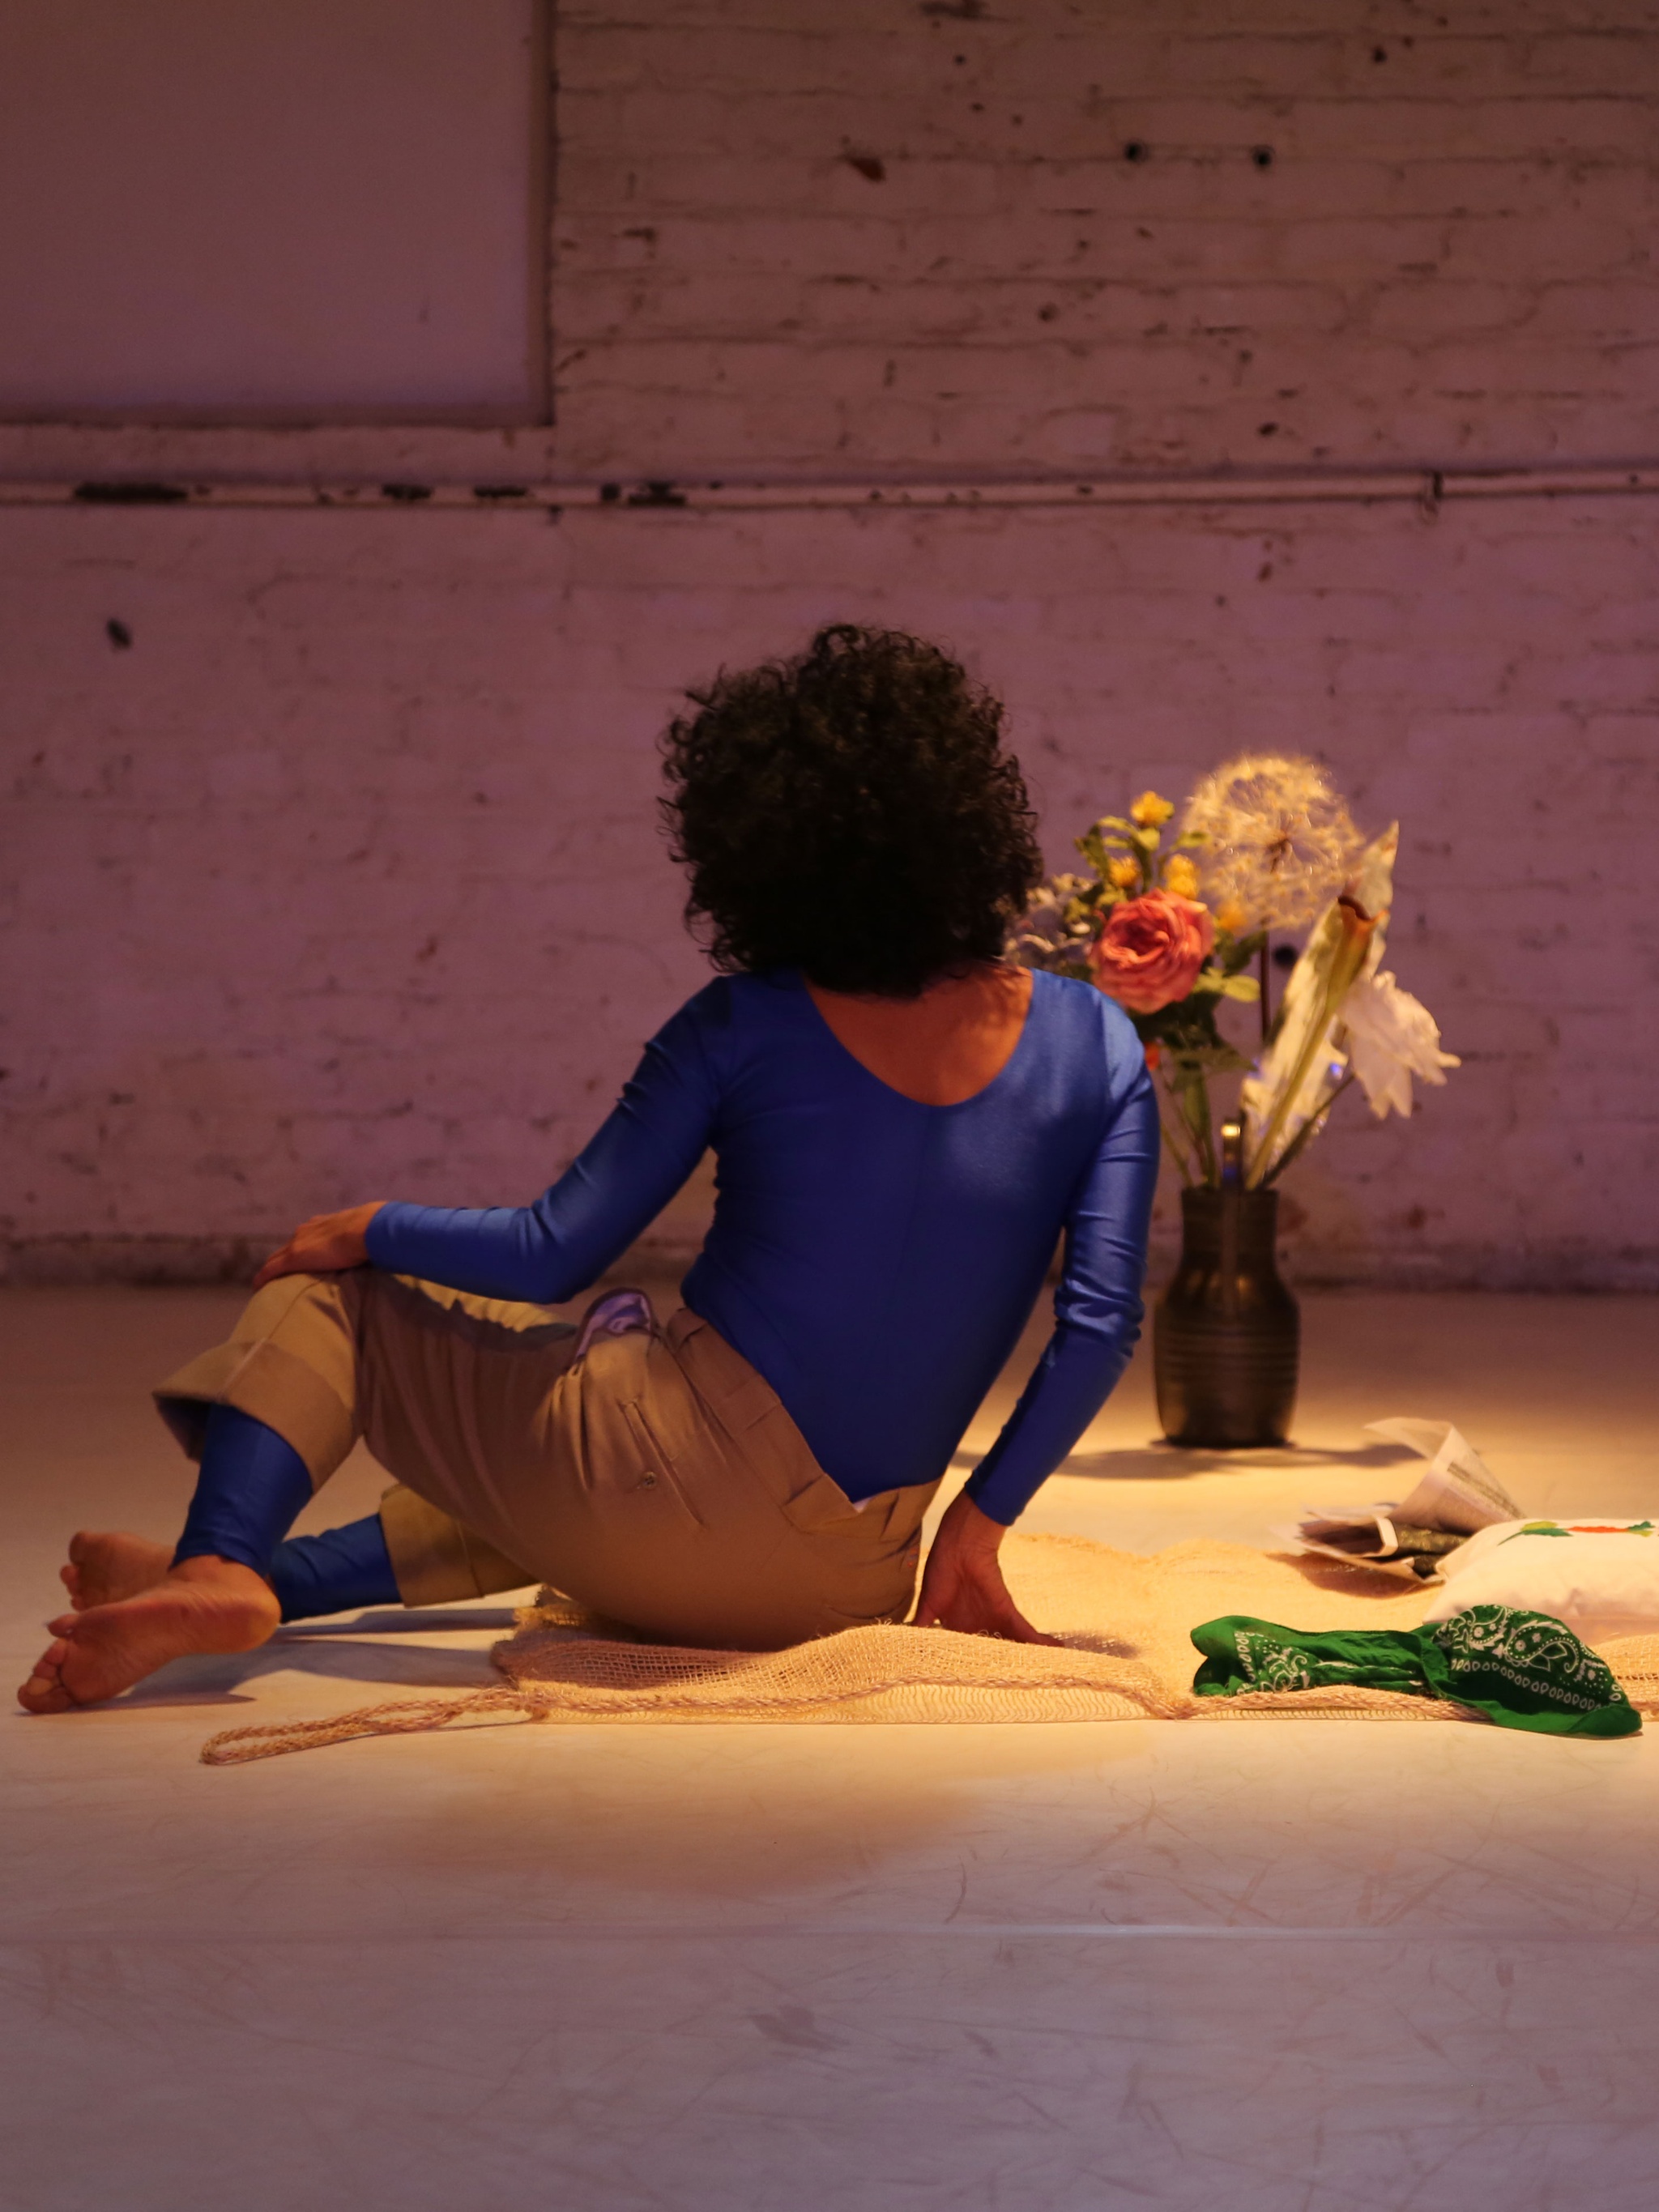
(107, 1565)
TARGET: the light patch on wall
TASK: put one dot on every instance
(225, 210)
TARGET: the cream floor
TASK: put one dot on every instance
(1285, 1966)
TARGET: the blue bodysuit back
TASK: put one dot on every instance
(874, 1258)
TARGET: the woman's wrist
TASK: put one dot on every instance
(972, 1530)
(365, 1215)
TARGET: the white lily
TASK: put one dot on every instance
(1390, 1037)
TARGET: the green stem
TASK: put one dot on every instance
(1166, 1089)
(1304, 1135)
(1174, 1152)
(1195, 1110)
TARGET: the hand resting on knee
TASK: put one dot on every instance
(325, 1245)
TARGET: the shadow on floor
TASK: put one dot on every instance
(1355, 1581)
(334, 1654)
(1164, 1462)
(414, 1621)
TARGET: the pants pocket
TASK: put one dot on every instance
(656, 1471)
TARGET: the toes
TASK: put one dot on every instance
(70, 1576)
(65, 1624)
(44, 1692)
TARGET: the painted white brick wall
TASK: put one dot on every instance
(892, 236)
(342, 880)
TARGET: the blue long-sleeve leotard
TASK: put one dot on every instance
(874, 1258)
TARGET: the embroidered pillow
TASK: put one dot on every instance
(1599, 1575)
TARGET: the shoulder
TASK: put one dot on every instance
(732, 1009)
(707, 1009)
(739, 1002)
(692, 1036)
(1078, 1011)
(1085, 1022)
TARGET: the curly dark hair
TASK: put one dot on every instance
(850, 813)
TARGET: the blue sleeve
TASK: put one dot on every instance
(1097, 1311)
(548, 1252)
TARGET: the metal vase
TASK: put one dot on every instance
(1226, 1334)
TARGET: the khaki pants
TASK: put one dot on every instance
(656, 1478)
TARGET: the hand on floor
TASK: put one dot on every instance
(325, 1245)
(962, 1585)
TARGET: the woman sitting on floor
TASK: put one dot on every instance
(904, 1125)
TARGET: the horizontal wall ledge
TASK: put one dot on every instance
(1425, 488)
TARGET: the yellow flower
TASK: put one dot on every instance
(1123, 875)
(1151, 811)
(1180, 876)
(1231, 916)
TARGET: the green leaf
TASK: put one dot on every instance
(1093, 847)
(1245, 988)
(1186, 1029)
(1236, 952)
(1205, 1060)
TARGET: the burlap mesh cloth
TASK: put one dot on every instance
(1126, 1655)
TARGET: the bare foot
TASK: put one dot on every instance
(203, 1605)
(107, 1565)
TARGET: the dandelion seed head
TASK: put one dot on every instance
(1277, 841)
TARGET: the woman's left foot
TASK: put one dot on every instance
(202, 1606)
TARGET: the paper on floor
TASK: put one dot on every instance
(1458, 1496)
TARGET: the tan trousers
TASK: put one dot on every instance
(656, 1478)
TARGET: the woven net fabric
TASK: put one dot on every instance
(1124, 1621)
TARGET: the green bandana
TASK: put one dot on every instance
(1523, 1670)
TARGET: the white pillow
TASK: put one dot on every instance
(1600, 1575)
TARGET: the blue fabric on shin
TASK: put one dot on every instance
(335, 1572)
(253, 1487)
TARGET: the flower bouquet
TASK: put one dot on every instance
(1174, 932)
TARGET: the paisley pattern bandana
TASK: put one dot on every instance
(1524, 1670)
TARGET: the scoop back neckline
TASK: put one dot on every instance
(922, 1105)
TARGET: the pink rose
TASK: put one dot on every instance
(1151, 951)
